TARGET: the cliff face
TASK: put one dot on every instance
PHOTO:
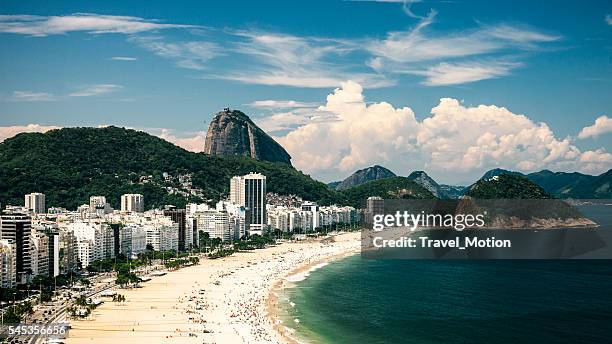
(369, 174)
(233, 133)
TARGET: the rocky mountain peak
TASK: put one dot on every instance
(231, 132)
(365, 175)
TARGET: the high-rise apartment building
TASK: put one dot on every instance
(179, 216)
(17, 227)
(132, 203)
(35, 202)
(249, 191)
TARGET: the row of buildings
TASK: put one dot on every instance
(39, 241)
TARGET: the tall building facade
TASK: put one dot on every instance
(35, 202)
(312, 208)
(8, 264)
(249, 191)
(179, 216)
(17, 227)
(132, 203)
(374, 206)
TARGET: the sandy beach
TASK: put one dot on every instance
(228, 300)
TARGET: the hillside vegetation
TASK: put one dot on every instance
(71, 164)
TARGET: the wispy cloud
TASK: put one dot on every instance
(441, 58)
(189, 54)
(281, 104)
(609, 19)
(41, 26)
(281, 59)
(464, 72)
(417, 45)
(95, 90)
(280, 123)
(123, 58)
(29, 96)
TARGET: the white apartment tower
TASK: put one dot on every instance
(132, 203)
(8, 264)
(35, 202)
(249, 191)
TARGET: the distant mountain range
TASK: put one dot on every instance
(555, 184)
(365, 175)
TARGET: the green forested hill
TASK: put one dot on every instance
(71, 164)
(507, 186)
(388, 188)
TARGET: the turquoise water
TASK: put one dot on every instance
(356, 300)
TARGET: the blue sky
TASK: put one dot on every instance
(166, 67)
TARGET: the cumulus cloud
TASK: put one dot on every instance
(41, 26)
(95, 90)
(30, 96)
(193, 142)
(602, 125)
(453, 138)
(10, 131)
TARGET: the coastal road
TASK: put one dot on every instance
(38, 339)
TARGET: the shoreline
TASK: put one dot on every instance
(226, 300)
(272, 303)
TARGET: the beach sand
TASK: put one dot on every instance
(228, 300)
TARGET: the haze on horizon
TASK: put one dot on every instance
(451, 88)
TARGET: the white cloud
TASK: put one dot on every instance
(609, 19)
(454, 139)
(189, 54)
(29, 96)
(299, 62)
(290, 120)
(193, 142)
(123, 58)
(95, 90)
(41, 26)
(10, 131)
(439, 57)
(464, 72)
(417, 45)
(602, 125)
(280, 104)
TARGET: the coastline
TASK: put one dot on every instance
(272, 303)
(225, 300)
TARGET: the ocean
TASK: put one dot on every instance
(357, 300)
